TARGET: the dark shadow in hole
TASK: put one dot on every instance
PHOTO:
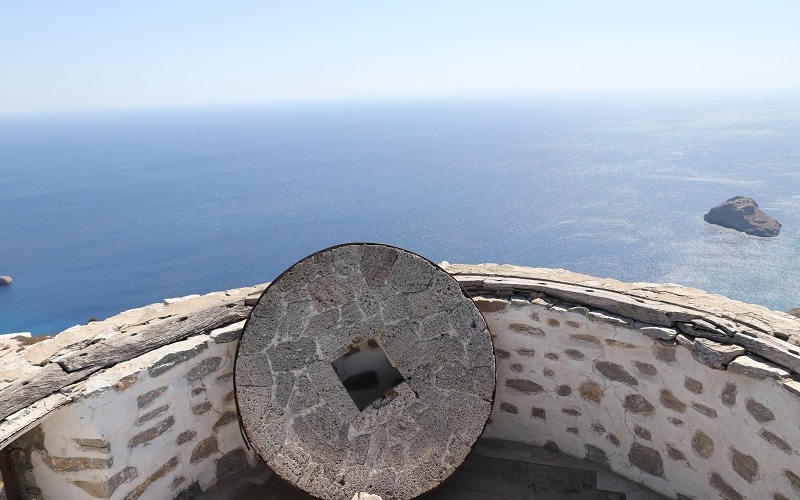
(367, 373)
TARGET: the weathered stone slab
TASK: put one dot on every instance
(124, 347)
(45, 381)
(757, 367)
(365, 302)
(713, 354)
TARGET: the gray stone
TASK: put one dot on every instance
(185, 436)
(563, 390)
(728, 395)
(5, 280)
(659, 332)
(571, 411)
(150, 415)
(299, 415)
(204, 368)
(713, 354)
(227, 333)
(615, 372)
(775, 440)
(675, 453)
(793, 478)
(636, 403)
(526, 329)
(670, 401)
(524, 385)
(614, 440)
(596, 455)
(502, 354)
(642, 432)
(201, 408)
(231, 462)
(591, 391)
(573, 430)
(664, 351)
(508, 408)
(104, 489)
(757, 368)
(692, 385)
(204, 449)
(645, 368)
(538, 413)
(584, 337)
(705, 410)
(152, 433)
(742, 214)
(176, 357)
(162, 471)
(226, 418)
(726, 490)
(147, 398)
(598, 428)
(702, 445)
(574, 354)
(744, 465)
(759, 412)
(646, 459)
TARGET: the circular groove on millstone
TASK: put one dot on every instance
(367, 311)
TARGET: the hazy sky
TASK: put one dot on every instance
(65, 55)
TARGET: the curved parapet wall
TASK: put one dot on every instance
(690, 394)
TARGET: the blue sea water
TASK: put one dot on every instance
(108, 211)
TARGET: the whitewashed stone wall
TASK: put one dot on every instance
(633, 397)
(141, 405)
(161, 425)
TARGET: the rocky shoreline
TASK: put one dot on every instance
(5, 280)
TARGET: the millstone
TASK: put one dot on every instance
(364, 368)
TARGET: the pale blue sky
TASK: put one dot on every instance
(75, 55)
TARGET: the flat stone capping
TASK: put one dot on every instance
(296, 411)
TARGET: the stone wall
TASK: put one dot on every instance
(162, 424)
(683, 415)
(690, 394)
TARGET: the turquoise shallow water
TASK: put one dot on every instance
(109, 211)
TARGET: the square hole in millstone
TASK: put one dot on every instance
(367, 373)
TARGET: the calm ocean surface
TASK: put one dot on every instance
(109, 211)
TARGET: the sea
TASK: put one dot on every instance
(106, 211)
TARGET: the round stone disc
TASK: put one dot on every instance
(364, 368)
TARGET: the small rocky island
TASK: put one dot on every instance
(5, 280)
(742, 213)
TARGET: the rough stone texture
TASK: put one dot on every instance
(693, 386)
(702, 445)
(726, 491)
(636, 403)
(647, 459)
(231, 462)
(104, 489)
(615, 372)
(591, 391)
(714, 354)
(670, 401)
(152, 432)
(297, 413)
(742, 214)
(759, 412)
(744, 465)
(775, 440)
(162, 471)
(204, 449)
(728, 395)
(757, 368)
